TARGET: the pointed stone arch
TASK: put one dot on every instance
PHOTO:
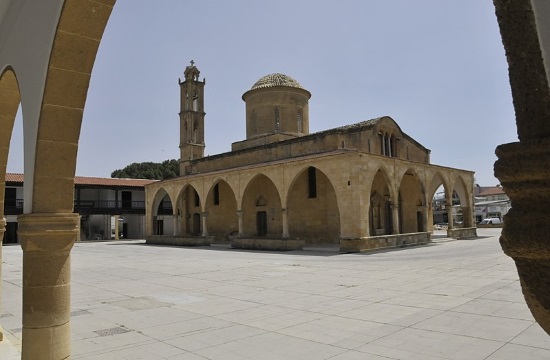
(314, 218)
(465, 211)
(381, 216)
(162, 212)
(189, 212)
(412, 214)
(262, 220)
(10, 98)
(221, 207)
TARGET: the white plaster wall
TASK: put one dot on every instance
(27, 29)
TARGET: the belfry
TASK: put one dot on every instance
(191, 116)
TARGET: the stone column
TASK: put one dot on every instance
(204, 217)
(175, 225)
(47, 240)
(240, 214)
(449, 209)
(425, 217)
(2, 231)
(285, 223)
(467, 216)
(395, 218)
(115, 217)
(523, 167)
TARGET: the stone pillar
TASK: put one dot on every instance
(175, 225)
(204, 217)
(2, 231)
(395, 218)
(467, 216)
(240, 214)
(425, 217)
(523, 167)
(285, 223)
(449, 209)
(115, 217)
(47, 240)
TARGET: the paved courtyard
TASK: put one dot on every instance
(447, 300)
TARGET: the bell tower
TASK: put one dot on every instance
(191, 117)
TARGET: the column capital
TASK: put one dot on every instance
(46, 233)
(204, 214)
(240, 212)
(284, 210)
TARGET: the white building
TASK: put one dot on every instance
(491, 202)
(107, 207)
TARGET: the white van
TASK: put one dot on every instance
(491, 221)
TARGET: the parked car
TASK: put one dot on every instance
(491, 221)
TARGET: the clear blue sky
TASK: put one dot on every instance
(435, 66)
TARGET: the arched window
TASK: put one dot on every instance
(312, 182)
(196, 101)
(277, 120)
(217, 194)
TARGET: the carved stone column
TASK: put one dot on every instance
(395, 218)
(524, 167)
(524, 172)
(285, 223)
(47, 240)
(240, 214)
(204, 217)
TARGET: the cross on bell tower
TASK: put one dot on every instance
(191, 117)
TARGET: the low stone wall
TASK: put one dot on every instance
(383, 242)
(462, 233)
(267, 244)
(180, 241)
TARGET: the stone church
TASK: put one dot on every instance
(364, 186)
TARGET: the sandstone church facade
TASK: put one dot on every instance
(364, 186)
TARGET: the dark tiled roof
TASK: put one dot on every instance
(97, 181)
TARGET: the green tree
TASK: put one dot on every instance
(149, 170)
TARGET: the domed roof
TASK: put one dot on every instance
(276, 79)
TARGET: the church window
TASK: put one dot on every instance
(217, 194)
(277, 120)
(312, 182)
(299, 121)
(196, 101)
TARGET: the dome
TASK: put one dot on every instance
(276, 79)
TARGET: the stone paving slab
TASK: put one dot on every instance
(446, 300)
